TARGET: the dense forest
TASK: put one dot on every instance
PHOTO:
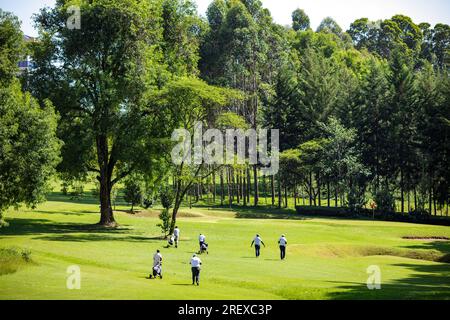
(363, 114)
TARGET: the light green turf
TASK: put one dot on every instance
(326, 259)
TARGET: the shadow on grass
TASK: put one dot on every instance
(442, 246)
(44, 229)
(97, 237)
(87, 198)
(430, 282)
(261, 212)
(427, 281)
(66, 213)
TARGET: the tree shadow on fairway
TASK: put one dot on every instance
(97, 237)
(428, 282)
(442, 246)
(86, 198)
(44, 229)
(65, 213)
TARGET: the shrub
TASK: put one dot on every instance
(77, 191)
(165, 221)
(11, 259)
(167, 197)
(65, 188)
(356, 200)
(132, 192)
(96, 191)
(3, 223)
(385, 201)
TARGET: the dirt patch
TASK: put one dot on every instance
(426, 238)
(144, 213)
(155, 214)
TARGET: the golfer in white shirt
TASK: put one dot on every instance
(283, 243)
(157, 264)
(176, 236)
(195, 267)
(201, 240)
(257, 241)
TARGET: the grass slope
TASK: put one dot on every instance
(326, 258)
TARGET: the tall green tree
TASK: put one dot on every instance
(29, 148)
(98, 77)
(188, 102)
(300, 20)
(329, 25)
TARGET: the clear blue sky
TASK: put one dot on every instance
(344, 11)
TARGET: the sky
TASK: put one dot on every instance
(343, 11)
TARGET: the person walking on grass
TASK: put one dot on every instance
(195, 267)
(176, 236)
(157, 265)
(283, 243)
(257, 242)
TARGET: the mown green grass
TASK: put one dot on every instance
(326, 259)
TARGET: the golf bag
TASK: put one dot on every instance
(204, 248)
(171, 241)
(157, 271)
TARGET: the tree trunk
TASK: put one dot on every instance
(430, 197)
(328, 194)
(236, 183)
(222, 188)
(408, 195)
(280, 199)
(214, 187)
(230, 192)
(244, 187)
(106, 168)
(249, 185)
(295, 196)
(402, 192)
(272, 186)
(255, 182)
(318, 188)
(336, 196)
(435, 206)
(310, 189)
(415, 199)
(285, 197)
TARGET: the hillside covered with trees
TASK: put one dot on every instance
(363, 114)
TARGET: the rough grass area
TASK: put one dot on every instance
(327, 258)
(12, 259)
(368, 251)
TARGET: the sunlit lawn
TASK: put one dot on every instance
(326, 259)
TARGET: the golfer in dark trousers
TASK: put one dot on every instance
(283, 243)
(195, 266)
(257, 241)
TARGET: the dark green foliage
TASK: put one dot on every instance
(300, 20)
(132, 192)
(166, 197)
(165, 217)
(11, 259)
(385, 201)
